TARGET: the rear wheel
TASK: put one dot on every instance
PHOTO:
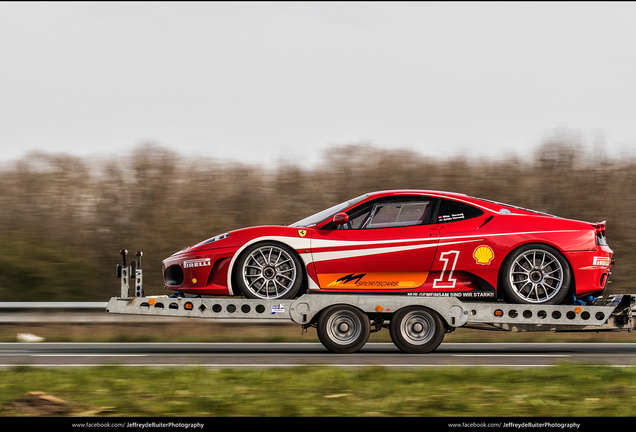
(536, 274)
(416, 329)
(343, 329)
(269, 271)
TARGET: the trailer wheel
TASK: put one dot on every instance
(343, 329)
(416, 329)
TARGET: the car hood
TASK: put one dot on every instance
(237, 238)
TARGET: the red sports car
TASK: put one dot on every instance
(409, 242)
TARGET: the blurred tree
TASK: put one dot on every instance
(45, 271)
(64, 219)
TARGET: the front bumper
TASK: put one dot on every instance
(201, 273)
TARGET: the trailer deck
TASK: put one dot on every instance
(344, 321)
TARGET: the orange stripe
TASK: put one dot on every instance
(386, 280)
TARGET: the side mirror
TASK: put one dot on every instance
(340, 219)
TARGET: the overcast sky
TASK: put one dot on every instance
(263, 82)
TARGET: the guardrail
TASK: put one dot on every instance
(52, 305)
(90, 313)
(51, 312)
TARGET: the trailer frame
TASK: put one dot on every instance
(417, 323)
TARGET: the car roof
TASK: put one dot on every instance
(431, 193)
(482, 203)
(417, 192)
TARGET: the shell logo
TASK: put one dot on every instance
(483, 255)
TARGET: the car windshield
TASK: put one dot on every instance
(325, 214)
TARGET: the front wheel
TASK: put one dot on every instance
(417, 330)
(535, 274)
(343, 329)
(269, 271)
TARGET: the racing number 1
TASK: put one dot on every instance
(445, 279)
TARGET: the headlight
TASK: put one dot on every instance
(213, 239)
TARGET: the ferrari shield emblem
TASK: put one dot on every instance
(302, 233)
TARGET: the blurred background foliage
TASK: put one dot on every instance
(64, 219)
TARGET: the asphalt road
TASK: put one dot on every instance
(224, 355)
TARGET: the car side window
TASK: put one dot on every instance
(391, 213)
(451, 211)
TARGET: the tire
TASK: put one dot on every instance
(269, 271)
(417, 330)
(535, 274)
(343, 329)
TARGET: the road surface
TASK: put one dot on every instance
(225, 355)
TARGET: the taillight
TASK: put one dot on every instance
(599, 227)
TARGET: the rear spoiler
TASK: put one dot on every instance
(599, 227)
(601, 239)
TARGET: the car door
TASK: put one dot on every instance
(465, 257)
(388, 245)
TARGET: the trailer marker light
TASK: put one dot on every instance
(151, 302)
(188, 306)
(577, 310)
(194, 280)
(379, 308)
(498, 312)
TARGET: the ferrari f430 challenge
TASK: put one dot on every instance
(408, 242)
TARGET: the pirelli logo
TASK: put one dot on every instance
(202, 262)
(602, 261)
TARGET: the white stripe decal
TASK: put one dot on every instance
(323, 243)
(326, 256)
(507, 234)
(307, 244)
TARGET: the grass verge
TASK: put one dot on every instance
(562, 391)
